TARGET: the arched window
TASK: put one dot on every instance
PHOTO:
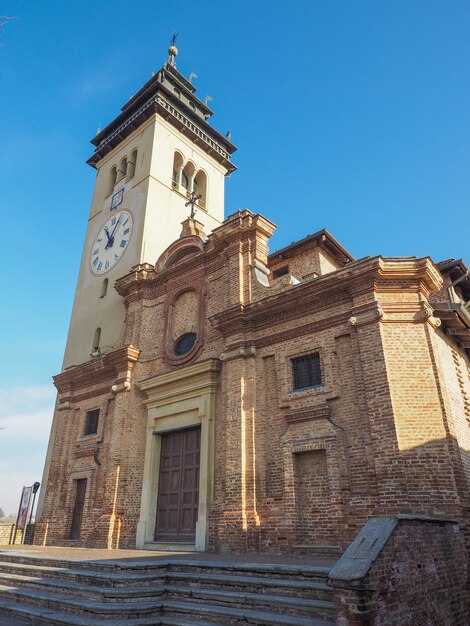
(104, 288)
(112, 179)
(187, 177)
(131, 164)
(177, 92)
(176, 180)
(96, 342)
(122, 169)
(200, 188)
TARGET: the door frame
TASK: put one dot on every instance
(179, 400)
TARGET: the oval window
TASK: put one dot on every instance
(184, 343)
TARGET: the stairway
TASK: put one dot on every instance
(162, 592)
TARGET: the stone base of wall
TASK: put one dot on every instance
(403, 570)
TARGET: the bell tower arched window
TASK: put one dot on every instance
(187, 177)
(200, 188)
(176, 180)
(122, 169)
(131, 164)
(95, 350)
(112, 179)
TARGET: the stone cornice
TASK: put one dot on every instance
(207, 138)
(420, 270)
(370, 274)
(185, 382)
(115, 366)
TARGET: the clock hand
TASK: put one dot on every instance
(111, 236)
(114, 229)
(110, 240)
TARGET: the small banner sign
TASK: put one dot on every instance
(24, 507)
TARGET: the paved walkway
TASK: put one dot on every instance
(98, 554)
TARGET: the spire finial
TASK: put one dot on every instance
(173, 50)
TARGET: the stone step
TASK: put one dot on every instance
(88, 608)
(274, 570)
(275, 603)
(281, 570)
(24, 615)
(233, 589)
(54, 592)
(77, 589)
(174, 592)
(97, 582)
(299, 588)
(238, 616)
(111, 579)
(174, 610)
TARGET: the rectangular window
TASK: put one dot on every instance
(91, 422)
(281, 271)
(306, 371)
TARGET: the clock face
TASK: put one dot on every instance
(111, 242)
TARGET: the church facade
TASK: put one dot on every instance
(218, 397)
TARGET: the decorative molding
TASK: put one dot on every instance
(65, 406)
(116, 365)
(373, 315)
(189, 244)
(119, 387)
(186, 382)
(427, 315)
(199, 288)
(312, 413)
(243, 352)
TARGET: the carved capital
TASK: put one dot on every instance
(120, 387)
(427, 315)
(244, 352)
(367, 316)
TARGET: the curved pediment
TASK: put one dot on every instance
(179, 250)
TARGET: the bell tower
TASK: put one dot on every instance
(157, 154)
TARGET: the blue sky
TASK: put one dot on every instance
(348, 115)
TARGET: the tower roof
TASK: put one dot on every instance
(172, 96)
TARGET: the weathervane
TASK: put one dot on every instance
(193, 198)
(173, 50)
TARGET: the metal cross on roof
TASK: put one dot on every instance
(193, 198)
(173, 39)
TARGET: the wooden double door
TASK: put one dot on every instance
(178, 486)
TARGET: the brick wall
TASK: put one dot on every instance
(7, 532)
(385, 433)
